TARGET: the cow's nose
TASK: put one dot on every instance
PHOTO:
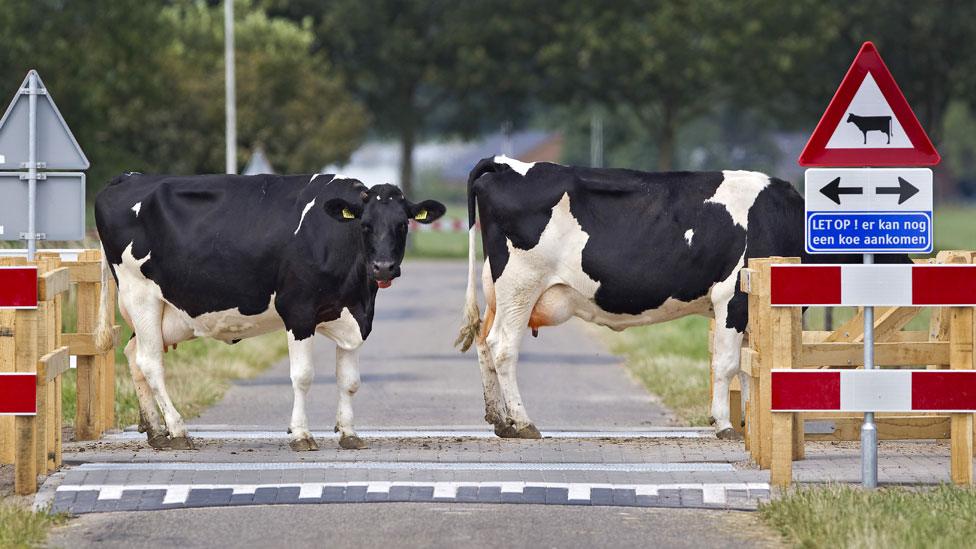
(383, 270)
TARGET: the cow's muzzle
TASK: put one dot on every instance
(384, 272)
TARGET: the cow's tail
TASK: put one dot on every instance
(472, 316)
(104, 332)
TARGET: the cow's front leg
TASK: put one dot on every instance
(347, 378)
(302, 372)
(725, 364)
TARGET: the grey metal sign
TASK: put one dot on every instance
(60, 206)
(57, 148)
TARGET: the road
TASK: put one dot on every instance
(610, 447)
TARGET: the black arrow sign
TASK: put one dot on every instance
(833, 190)
(904, 190)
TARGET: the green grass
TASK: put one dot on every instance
(955, 227)
(198, 374)
(22, 528)
(671, 360)
(835, 516)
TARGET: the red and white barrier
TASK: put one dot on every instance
(870, 285)
(874, 390)
(454, 225)
(18, 394)
(18, 287)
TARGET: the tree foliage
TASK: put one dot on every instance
(141, 84)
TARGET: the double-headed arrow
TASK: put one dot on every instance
(904, 190)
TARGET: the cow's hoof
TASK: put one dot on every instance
(304, 445)
(159, 441)
(351, 442)
(711, 420)
(529, 431)
(505, 430)
(728, 434)
(181, 443)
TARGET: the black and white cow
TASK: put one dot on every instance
(232, 257)
(619, 248)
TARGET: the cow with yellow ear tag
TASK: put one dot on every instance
(231, 257)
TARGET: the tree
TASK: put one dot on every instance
(420, 65)
(140, 84)
(289, 100)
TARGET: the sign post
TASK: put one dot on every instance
(868, 123)
(34, 135)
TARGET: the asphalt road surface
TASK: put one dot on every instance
(421, 410)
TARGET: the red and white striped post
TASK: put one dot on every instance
(18, 389)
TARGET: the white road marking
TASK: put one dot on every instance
(671, 467)
(434, 433)
(712, 493)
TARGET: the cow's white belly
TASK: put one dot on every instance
(561, 302)
(228, 325)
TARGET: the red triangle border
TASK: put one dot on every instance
(816, 153)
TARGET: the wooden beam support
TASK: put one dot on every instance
(819, 355)
(53, 283)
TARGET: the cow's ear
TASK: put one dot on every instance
(340, 210)
(427, 211)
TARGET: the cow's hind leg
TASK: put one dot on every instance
(149, 420)
(504, 338)
(302, 372)
(146, 313)
(495, 411)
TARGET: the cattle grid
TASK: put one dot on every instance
(33, 341)
(777, 340)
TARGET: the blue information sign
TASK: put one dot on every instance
(868, 210)
(869, 232)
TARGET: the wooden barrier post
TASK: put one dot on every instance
(961, 358)
(88, 424)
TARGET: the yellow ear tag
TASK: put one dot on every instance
(421, 215)
(346, 214)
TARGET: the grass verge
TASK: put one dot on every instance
(22, 528)
(671, 361)
(198, 374)
(842, 516)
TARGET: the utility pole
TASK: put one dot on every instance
(229, 86)
(596, 139)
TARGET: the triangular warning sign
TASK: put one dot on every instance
(869, 122)
(56, 147)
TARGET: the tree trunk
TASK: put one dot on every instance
(665, 146)
(407, 137)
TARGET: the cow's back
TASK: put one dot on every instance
(650, 237)
(213, 242)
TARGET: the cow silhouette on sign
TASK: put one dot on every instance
(871, 123)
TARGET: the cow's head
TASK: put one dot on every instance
(384, 214)
(850, 117)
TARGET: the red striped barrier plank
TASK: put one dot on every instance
(18, 394)
(18, 287)
(863, 285)
(874, 390)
